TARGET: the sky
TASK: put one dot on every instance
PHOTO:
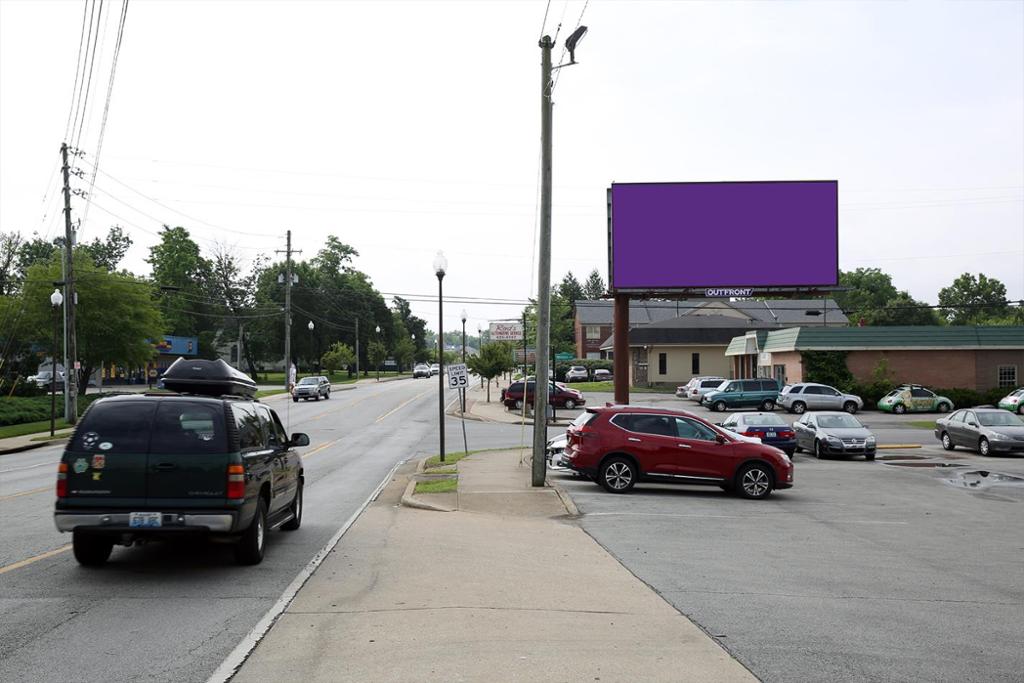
(405, 128)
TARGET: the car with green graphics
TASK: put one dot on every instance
(208, 461)
(1014, 401)
(762, 393)
(913, 398)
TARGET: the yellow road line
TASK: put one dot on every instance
(401, 405)
(320, 448)
(42, 556)
(28, 493)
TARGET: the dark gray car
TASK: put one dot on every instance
(986, 430)
(835, 433)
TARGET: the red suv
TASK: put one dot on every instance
(618, 446)
(558, 396)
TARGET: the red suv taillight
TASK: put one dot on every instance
(236, 482)
(62, 480)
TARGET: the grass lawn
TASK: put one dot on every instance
(336, 378)
(439, 486)
(8, 431)
(610, 387)
(452, 458)
(921, 424)
(442, 470)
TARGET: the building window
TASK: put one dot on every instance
(594, 332)
(1007, 376)
(662, 363)
(695, 363)
(780, 373)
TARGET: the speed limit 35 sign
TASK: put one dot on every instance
(457, 376)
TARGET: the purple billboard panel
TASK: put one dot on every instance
(668, 236)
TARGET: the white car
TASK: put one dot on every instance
(554, 450)
(698, 386)
(434, 369)
(421, 370)
(577, 373)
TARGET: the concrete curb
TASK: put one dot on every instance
(566, 499)
(27, 447)
(408, 497)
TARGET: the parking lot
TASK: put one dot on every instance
(907, 568)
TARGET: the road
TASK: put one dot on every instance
(164, 612)
(864, 571)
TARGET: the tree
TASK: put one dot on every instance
(178, 263)
(872, 298)
(492, 360)
(974, 300)
(338, 356)
(570, 288)
(905, 310)
(594, 288)
(117, 319)
(107, 253)
(563, 331)
(10, 242)
(404, 351)
(376, 353)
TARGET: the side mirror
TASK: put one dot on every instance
(973, 424)
(719, 438)
(811, 427)
(299, 439)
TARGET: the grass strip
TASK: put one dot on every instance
(452, 458)
(8, 431)
(439, 486)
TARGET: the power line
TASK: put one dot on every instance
(88, 82)
(84, 58)
(78, 60)
(544, 23)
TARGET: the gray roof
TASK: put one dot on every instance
(691, 329)
(779, 311)
(640, 312)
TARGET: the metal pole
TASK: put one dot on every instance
(463, 391)
(70, 350)
(440, 363)
(53, 373)
(540, 393)
(357, 349)
(288, 314)
(620, 346)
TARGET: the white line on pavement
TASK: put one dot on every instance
(237, 657)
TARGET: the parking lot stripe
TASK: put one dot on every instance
(42, 556)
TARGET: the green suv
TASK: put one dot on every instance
(762, 393)
(211, 462)
(913, 398)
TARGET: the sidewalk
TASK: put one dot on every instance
(506, 588)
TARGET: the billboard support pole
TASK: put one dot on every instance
(620, 347)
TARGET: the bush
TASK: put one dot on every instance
(16, 410)
(827, 367)
(968, 398)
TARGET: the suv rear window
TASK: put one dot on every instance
(795, 390)
(710, 383)
(182, 427)
(115, 427)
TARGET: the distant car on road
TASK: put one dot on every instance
(619, 446)
(1014, 402)
(577, 373)
(602, 375)
(698, 386)
(314, 387)
(835, 433)
(770, 428)
(435, 368)
(913, 398)
(421, 370)
(799, 398)
(762, 393)
(985, 430)
(44, 378)
(558, 396)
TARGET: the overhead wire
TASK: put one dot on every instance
(80, 81)
(78, 60)
(88, 81)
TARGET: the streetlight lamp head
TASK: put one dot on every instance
(440, 264)
(310, 326)
(378, 329)
(573, 40)
(414, 337)
(464, 315)
(56, 299)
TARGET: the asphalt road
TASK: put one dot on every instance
(172, 612)
(864, 571)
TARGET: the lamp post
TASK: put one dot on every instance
(56, 299)
(378, 341)
(463, 392)
(311, 326)
(440, 266)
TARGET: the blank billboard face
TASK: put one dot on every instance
(747, 234)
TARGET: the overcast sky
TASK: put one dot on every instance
(404, 128)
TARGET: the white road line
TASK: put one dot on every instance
(237, 657)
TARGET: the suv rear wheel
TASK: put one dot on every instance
(250, 547)
(617, 474)
(850, 407)
(755, 481)
(799, 407)
(91, 550)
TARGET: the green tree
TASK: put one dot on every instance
(974, 300)
(338, 356)
(492, 361)
(570, 288)
(563, 331)
(404, 351)
(117, 319)
(10, 242)
(872, 298)
(376, 353)
(594, 288)
(177, 262)
(107, 253)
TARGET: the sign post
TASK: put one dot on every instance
(458, 378)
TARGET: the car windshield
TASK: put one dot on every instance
(767, 420)
(308, 380)
(838, 422)
(1000, 419)
(894, 392)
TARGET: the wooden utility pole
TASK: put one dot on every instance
(70, 299)
(288, 279)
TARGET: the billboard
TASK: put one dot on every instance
(723, 235)
(506, 331)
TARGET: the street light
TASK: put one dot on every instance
(311, 326)
(440, 266)
(56, 299)
(378, 341)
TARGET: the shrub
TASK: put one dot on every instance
(827, 367)
(15, 410)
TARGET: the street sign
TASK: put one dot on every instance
(565, 355)
(457, 376)
(506, 331)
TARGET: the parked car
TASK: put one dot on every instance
(619, 446)
(421, 370)
(315, 387)
(799, 398)
(44, 378)
(435, 368)
(770, 428)
(554, 449)
(558, 396)
(209, 461)
(1014, 401)
(914, 398)
(698, 386)
(602, 375)
(577, 373)
(835, 433)
(743, 393)
(985, 430)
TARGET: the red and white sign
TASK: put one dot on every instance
(506, 331)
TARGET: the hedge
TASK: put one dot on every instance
(16, 410)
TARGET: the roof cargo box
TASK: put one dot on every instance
(207, 377)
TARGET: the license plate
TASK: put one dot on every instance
(771, 435)
(145, 520)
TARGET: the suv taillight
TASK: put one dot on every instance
(62, 480)
(236, 482)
